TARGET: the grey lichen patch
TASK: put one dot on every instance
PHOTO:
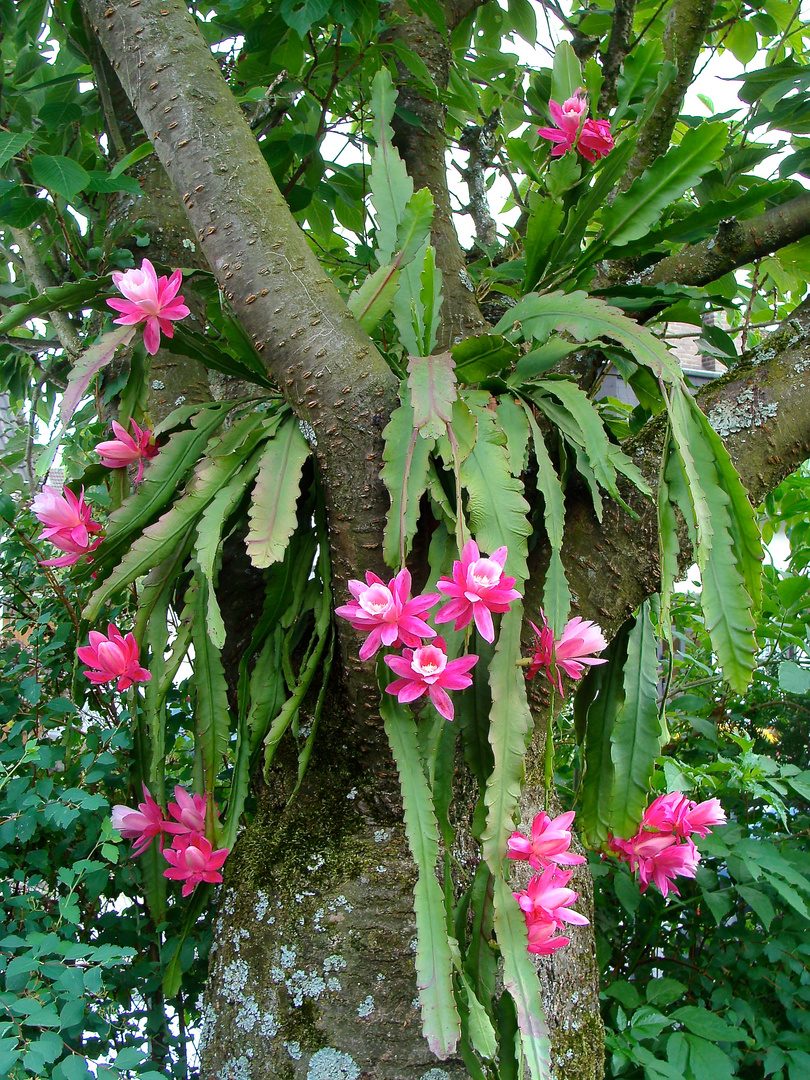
(335, 962)
(436, 1074)
(745, 412)
(233, 977)
(329, 1064)
(294, 1050)
(235, 1069)
(366, 1007)
(262, 904)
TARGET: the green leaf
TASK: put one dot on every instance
(275, 496)
(89, 364)
(12, 143)
(566, 74)
(165, 475)
(556, 592)
(520, 979)
(760, 903)
(742, 40)
(55, 298)
(599, 699)
(372, 301)
(430, 301)
(405, 474)
(132, 158)
(541, 232)
(59, 174)
(634, 211)
(211, 713)
(225, 458)
(432, 383)
(539, 361)
(511, 724)
(793, 679)
(635, 740)
(477, 358)
(524, 20)
(434, 977)
(725, 566)
(414, 226)
(496, 506)
(391, 187)
(706, 1024)
(585, 318)
(301, 14)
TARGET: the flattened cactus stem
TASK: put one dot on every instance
(457, 473)
(403, 502)
(549, 758)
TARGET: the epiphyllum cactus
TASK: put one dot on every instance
(428, 671)
(662, 848)
(592, 138)
(151, 300)
(386, 613)
(126, 449)
(68, 522)
(112, 657)
(571, 654)
(477, 588)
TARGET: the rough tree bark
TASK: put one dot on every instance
(312, 969)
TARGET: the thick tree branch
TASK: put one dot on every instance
(617, 48)
(683, 38)
(327, 367)
(42, 278)
(734, 244)
(423, 147)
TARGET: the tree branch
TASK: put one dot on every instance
(734, 244)
(327, 367)
(617, 48)
(683, 37)
(43, 279)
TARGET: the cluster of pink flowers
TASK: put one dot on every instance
(191, 857)
(662, 848)
(571, 654)
(592, 138)
(150, 300)
(477, 589)
(546, 900)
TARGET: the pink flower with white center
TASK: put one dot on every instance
(142, 824)
(193, 860)
(568, 119)
(478, 587)
(68, 524)
(125, 449)
(188, 811)
(570, 654)
(386, 613)
(112, 657)
(595, 139)
(677, 860)
(428, 671)
(550, 841)
(547, 899)
(151, 300)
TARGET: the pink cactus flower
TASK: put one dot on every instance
(428, 671)
(541, 941)
(595, 140)
(676, 814)
(112, 657)
(125, 449)
(188, 811)
(568, 119)
(570, 654)
(641, 848)
(151, 300)
(677, 860)
(68, 524)
(547, 899)
(385, 613)
(550, 841)
(142, 824)
(478, 587)
(193, 860)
